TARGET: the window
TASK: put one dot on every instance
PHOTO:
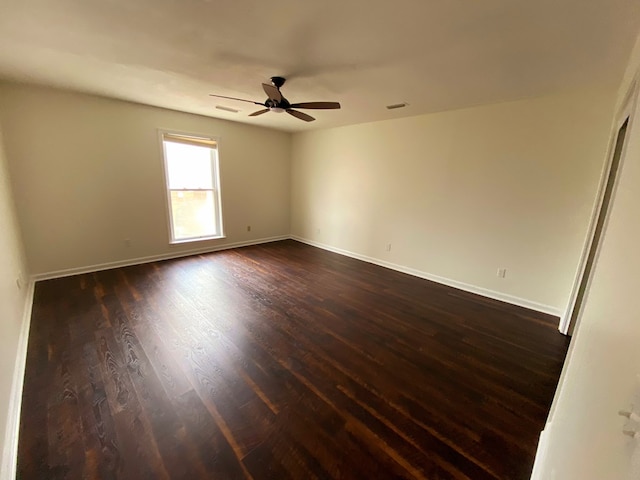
(193, 191)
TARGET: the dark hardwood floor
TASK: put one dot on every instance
(281, 361)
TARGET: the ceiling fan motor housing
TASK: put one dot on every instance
(284, 103)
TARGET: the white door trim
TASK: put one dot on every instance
(625, 112)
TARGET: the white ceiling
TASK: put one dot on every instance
(434, 54)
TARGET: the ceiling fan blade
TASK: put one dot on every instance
(272, 92)
(259, 112)
(239, 99)
(300, 115)
(317, 105)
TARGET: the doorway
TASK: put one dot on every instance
(574, 312)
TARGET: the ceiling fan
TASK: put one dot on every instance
(275, 102)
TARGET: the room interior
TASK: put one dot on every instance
(496, 164)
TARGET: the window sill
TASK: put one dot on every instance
(196, 239)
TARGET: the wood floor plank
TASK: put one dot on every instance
(210, 443)
(131, 423)
(102, 447)
(281, 361)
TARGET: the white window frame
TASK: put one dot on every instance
(215, 172)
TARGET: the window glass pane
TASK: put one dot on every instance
(193, 214)
(188, 166)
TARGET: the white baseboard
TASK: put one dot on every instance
(503, 297)
(153, 258)
(10, 450)
(541, 455)
(539, 307)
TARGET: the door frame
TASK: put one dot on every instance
(624, 112)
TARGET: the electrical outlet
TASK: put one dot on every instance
(388, 247)
(127, 242)
(248, 228)
(317, 231)
(502, 272)
(19, 282)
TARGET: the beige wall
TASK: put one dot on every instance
(584, 439)
(12, 302)
(462, 193)
(87, 173)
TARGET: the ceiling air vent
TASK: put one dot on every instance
(397, 105)
(227, 109)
